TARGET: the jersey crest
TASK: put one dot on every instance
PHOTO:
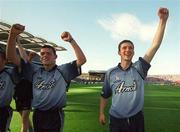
(121, 88)
(43, 85)
(2, 84)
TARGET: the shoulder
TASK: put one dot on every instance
(9, 69)
(67, 64)
(33, 66)
(141, 62)
(112, 70)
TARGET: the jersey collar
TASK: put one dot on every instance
(55, 66)
(119, 66)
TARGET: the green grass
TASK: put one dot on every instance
(161, 109)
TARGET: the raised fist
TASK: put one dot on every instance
(66, 36)
(17, 29)
(163, 13)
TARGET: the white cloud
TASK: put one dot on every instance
(127, 26)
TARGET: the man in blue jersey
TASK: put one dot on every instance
(50, 82)
(8, 79)
(125, 83)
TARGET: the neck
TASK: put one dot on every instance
(48, 67)
(125, 64)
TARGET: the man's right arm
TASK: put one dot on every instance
(11, 54)
(105, 94)
(103, 104)
(21, 50)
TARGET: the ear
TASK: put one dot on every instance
(55, 56)
(119, 53)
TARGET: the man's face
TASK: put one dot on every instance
(47, 56)
(126, 51)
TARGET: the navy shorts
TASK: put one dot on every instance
(23, 95)
(24, 104)
(131, 124)
(5, 118)
(48, 120)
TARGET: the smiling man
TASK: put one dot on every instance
(125, 83)
(50, 82)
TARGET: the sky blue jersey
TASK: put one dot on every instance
(8, 78)
(49, 87)
(126, 88)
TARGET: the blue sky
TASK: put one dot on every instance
(98, 26)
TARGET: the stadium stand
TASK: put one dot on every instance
(28, 41)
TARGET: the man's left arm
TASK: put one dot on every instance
(81, 59)
(163, 14)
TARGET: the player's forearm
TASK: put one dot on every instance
(11, 54)
(156, 41)
(103, 104)
(22, 52)
(81, 59)
(159, 35)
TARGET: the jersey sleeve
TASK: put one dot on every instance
(142, 67)
(106, 90)
(14, 74)
(27, 70)
(70, 71)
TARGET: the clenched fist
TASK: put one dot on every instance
(163, 13)
(66, 36)
(16, 29)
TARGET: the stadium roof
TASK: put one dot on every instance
(97, 71)
(28, 41)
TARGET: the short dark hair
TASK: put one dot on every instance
(124, 41)
(50, 47)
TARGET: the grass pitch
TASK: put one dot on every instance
(161, 109)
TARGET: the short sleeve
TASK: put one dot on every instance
(106, 90)
(70, 70)
(14, 74)
(28, 70)
(142, 67)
